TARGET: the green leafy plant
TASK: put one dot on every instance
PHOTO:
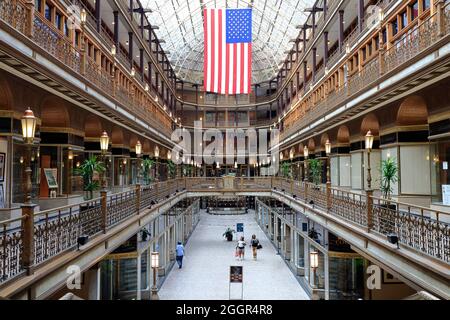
(171, 168)
(286, 169)
(147, 164)
(87, 170)
(315, 170)
(187, 170)
(389, 176)
(229, 234)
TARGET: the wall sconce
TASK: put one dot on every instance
(124, 161)
(147, 87)
(133, 72)
(113, 51)
(78, 164)
(70, 155)
(21, 159)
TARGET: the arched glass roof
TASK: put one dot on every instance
(180, 25)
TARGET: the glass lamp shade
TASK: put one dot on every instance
(28, 126)
(147, 87)
(381, 15)
(113, 50)
(138, 148)
(70, 155)
(156, 152)
(104, 142)
(314, 259)
(306, 152)
(235, 165)
(155, 260)
(281, 155)
(169, 155)
(83, 16)
(218, 166)
(291, 154)
(328, 147)
(369, 140)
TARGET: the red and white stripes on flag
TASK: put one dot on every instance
(227, 66)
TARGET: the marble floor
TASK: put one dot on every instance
(205, 272)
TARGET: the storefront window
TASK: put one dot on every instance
(20, 152)
(440, 178)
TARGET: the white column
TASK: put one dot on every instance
(138, 296)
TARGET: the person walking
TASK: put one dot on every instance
(179, 254)
(254, 243)
(241, 248)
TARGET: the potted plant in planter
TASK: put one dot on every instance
(313, 234)
(389, 176)
(171, 169)
(315, 169)
(229, 234)
(147, 165)
(286, 169)
(87, 170)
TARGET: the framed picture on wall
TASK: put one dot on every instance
(2, 166)
(51, 174)
(2, 197)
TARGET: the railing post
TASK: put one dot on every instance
(138, 198)
(28, 237)
(440, 18)
(381, 54)
(104, 210)
(29, 5)
(328, 196)
(306, 191)
(369, 208)
(292, 187)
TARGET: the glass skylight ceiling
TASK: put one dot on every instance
(180, 25)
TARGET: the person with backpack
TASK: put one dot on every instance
(179, 254)
(241, 248)
(255, 246)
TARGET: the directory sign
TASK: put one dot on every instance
(236, 274)
(240, 227)
(446, 194)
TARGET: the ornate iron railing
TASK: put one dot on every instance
(57, 230)
(11, 247)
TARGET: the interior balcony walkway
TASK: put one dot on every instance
(205, 272)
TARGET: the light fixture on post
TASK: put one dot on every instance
(138, 150)
(347, 48)
(147, 88)
(314, 263)
(306, 155)
(369, 145)
(328, 152)
(28, 130)
(155, 266)
(133, 72)
(83, 17)
(156, 152)
(104, 145)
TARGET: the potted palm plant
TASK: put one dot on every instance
(171, 168)
(315, 170)
(286, 169)
(87, 170)
(147, 165)
(229, 234)
(389, 176)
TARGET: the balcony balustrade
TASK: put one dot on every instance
(55, 231)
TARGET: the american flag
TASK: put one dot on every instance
(228, 50)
